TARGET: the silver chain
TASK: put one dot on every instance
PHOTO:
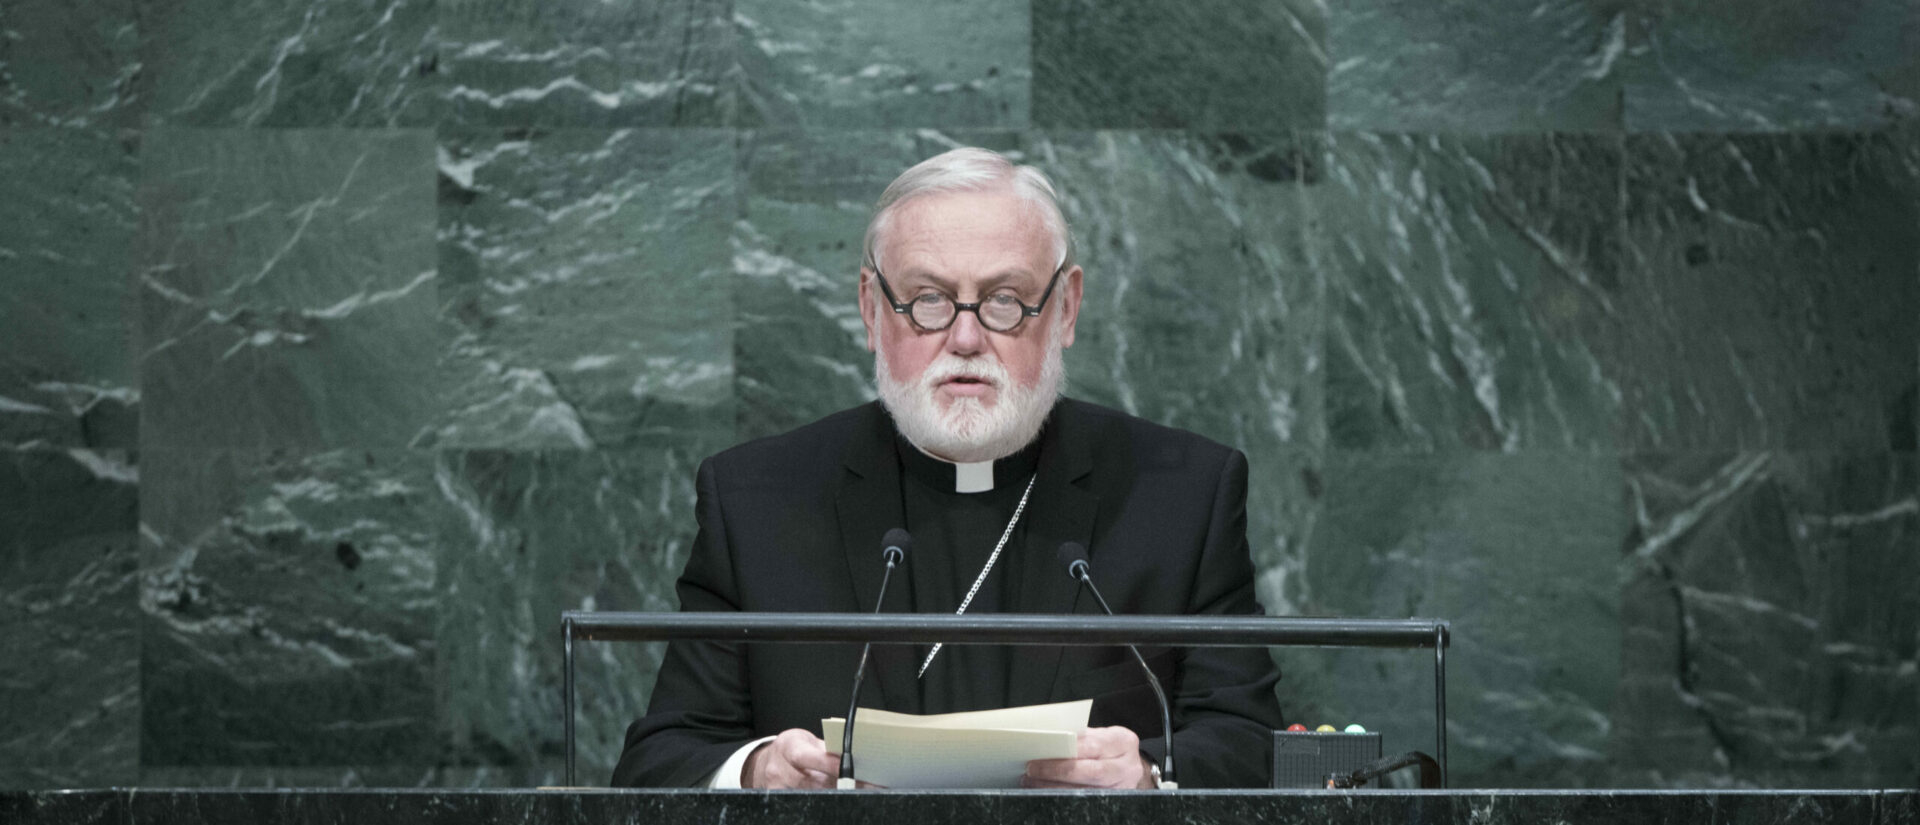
(982, 578)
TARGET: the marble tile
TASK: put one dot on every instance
(1521, 554)
(1471, 290)
(69, 65)
(287, 63)
(1769, 629)
(840, 64)
(587, 275)
(67, 225)
(290, 607)
(553, 531)
(1772, 291)
(1210, 65)
(1475, 66)
(1732, 66)
(69, 631)
(286, 283)
(586, 63)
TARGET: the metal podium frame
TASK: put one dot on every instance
(1016, 629)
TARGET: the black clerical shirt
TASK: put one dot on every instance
(954, 534)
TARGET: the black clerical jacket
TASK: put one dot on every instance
(794, 523)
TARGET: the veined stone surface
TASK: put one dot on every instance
(841, 64)
(545, 532)
(1476, 66)
(1471, 291)
(67, 225)
(69, 626)
(287, 63)
(357, 617)
(1210, 65)
(849, 64)
(1521, 554)
(586, 63)
(69, 65)
(1728, 65)
(278, 269)
(1768, 627)
(289, 608)
(1771, 282)
(587, 275)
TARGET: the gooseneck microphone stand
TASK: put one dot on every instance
(894, 549)
(1075, 556)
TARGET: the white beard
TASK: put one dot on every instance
(968, 430)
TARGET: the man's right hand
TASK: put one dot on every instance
(794, 759)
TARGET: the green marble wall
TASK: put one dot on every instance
(345, 343)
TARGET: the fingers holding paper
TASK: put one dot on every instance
(1107, 758)
(794, 759)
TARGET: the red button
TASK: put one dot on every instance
(1296, 727)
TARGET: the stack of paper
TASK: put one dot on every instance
(981, 749)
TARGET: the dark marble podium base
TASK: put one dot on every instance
(163, 807)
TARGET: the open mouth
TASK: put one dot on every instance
(967, 385)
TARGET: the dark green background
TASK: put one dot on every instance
(344, 343)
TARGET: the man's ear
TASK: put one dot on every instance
(1069, 299)
(866, 305)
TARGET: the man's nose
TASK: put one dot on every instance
(966, 336)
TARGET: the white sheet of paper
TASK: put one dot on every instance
(979, 749)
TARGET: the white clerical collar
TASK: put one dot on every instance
(975, 477)
(968, 477)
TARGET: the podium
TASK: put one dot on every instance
(1015, 629)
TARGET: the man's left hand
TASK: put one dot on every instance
(1108, 758)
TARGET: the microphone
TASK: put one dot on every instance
(1073, 555)
(893, 548)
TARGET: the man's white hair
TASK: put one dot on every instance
(970, 169)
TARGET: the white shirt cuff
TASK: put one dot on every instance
(728, 776)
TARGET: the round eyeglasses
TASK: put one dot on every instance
(1000, 311)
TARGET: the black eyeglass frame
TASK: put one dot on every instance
(958, 307)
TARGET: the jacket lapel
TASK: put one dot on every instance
(869, 505)
(1062, 510)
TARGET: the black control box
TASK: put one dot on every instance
(1302, 759)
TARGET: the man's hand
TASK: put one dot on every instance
(794, 759)
(1108, 758)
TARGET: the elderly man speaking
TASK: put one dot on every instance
(969, 294)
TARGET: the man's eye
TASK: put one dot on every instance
(1003, 299)
(929, 298)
